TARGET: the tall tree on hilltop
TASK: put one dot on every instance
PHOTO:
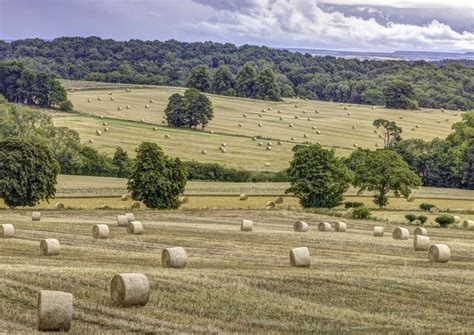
(223, 81)
(175, 112)
(246, 81)
(266, 87)
(200, 78)
(391, 132)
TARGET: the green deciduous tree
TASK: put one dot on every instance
(122, 162)
(399, 94)
(266, 87)
(176, 115)
(245, 81)
(200, 78)
(28, 172)
(318, 178)
(223, 81)
(385, 171)
(157, 179)
(198, 108)
(391, 131)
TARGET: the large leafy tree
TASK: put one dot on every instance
(469, 166)
(245, 81)
(198, 108)
(391, 131)
(28, 172)
(223, 81)
(318, 178)
(385, 171)
(266, 87)
(200, 78)
(157, 179)
(122, 162)
(175, 112)
(400, 94)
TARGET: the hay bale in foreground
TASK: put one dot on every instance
(54, 310)
(7, 230)
(340, 226)
(324, 226)
(35, 216)
(439, 253)
(100, 231)
(122, 220)
(243, 197)
(246, 225)
(400, 233)
(378, 231)
(174, 258)
(468, 224)
(421, 231)
(135, 228)
(135, 205)
(59, 206)
(300, 226)
(421, 243)
(300, 257)
(130, 289)
(457, 219)
(130, 217)
(49, 247)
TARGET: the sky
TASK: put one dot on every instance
(357, 25)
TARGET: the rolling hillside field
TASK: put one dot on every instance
(314, 121)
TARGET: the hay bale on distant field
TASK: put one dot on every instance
(313, 127)
(279, 111)
(49, 247)
(260, 144)
(378, 231)
(130, 289)
(439, 253)
(184, 200)
(279, 143)
(417, 126)
(324, 226)
(119, 108)
(54, 311)
(297, 117)
(300, 226)
(142, 120)
(135, 228)
(400, 233)
(147, 106)
(240, 125)
(104, 124)
(290, 125)
(340, 226)
(204, 152)
(244, 115)
(7, 230)
(468, 224)
(100, 231)
(260, 115)
(293, 138)
(457, 219)
(106, 129)
(122, 220)
(89, 100)
(98, 133)
(421, 231)
(246, 225)
(267, 164)
(128, 107)
(271, 204)
(305, 135)
(377, 145)
(260, 125)
(35, 216)
(243, 197)
(279, 200)
(318, 132)
(99, 98)
(317, 111)
(59, 206)
(112, 98)
(155, 128)
(354, 127)
(130, 217)
(150, 101)
(125, 197)
(128, 90)
(174, 258)
(222, 149)
(421, 243)
(268, 148)
(300, 257)
(355, 145)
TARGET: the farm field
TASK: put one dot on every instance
(330, 125)
(237, 282)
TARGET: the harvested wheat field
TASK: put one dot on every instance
(237, 281)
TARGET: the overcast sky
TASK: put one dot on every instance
(365, 25)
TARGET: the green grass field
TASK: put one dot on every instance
(237, 282)
(127, 130)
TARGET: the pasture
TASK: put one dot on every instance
(235, 281)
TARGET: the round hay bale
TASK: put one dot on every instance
(417, 126)
(128, 107)
(142, 120)
(35, 216)
(7, 230)
(468, 224)
(106, 129)
(243, 197)
(128, 90)
(135, 228)
(130, 289)
(318, 132)
(268, 148)
(104, 124)
(297, 117)
(130, 217)
(400, 233)
(119, 108)
(421, 231)
(91, 141)
(324, 226)
(260, 115)
(317, 111)
(296, 106)
(279, 143)
(281, 118)
(222, 149)
(300, 226)
(300, 257)
(354, 127)
(260, 125)
(411, 198)
(279, 111)
(54, 311)
(112, 98)
(125, 197)
(150, 101)
(439, 253)
(147, 106)
(49, 247)
(340, 226)
(98, 133)
(313, 127)
(99, 98)
(380, 136)
(438, 121)
(223, 145)
(212, 131)
(244, 115)
(270, 204)
(267, 164)
(305, 135)
(349, 113)
(240, 125)
(100, 231)
(421, 243)
(167, 136)
(290, 125)
(59, 206)
(457, 219)
(254, 138)
(163, 122)
(204, 152)
(377, 145)
(293, 138)
(373, 107)
(174, 258)
(110, 93)
(355, 145)
(122, 220)
(378, 231)
(279, 200)
(260, 144)
(269, 108)
(155, 128)
(246, 225)
(263, 110)
(89, 100)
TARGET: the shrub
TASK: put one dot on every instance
(422, 219)
(410, 217)
(361, 213)
(214, 171)
(353, 204)
(426, 207)
(66, 106)
(445, 220)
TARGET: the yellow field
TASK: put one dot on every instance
(127, 130)
(237, 282)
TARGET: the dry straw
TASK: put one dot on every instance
(421, 243)
(279, 200)
(174, 258)
(340, 226)
(468, 224)
(378, 231)
(135, 205)
(54, 311)
(49, 247)
(300, 226)
(246, 225)
(100, 231)
(243, 197)
(439, 253)
(122, 220)
(135, 228)
(324, 226)
(125, 197)
(400, 233)
(130, 289)
(59, 206)
(36, 216)
(7, 230)
(271, 204)
(421, 231)
(300, 257)
(457, 219)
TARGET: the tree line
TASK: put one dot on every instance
(448, 85)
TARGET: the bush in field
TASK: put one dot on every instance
(426, 207)
(445, 220)
(422, 219)
(410, 217)
(353, 204)
(361, 213)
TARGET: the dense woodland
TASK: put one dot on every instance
(441, 85)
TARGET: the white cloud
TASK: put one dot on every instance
(455, 4)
